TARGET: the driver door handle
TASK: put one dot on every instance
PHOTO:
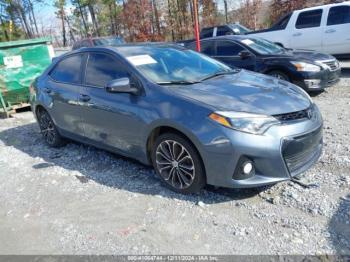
(84, 98)
(297, 34)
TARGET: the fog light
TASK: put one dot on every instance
(247, 168)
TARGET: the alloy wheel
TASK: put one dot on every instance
(47, 128)
(175, 164)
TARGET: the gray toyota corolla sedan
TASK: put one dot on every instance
(193, 118)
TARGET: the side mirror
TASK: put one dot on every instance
(245, 54)
(121, 85)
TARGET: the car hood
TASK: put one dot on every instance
(302, 55)
(247, 92)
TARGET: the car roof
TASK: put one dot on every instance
(145, 44)
(119, 48)
(98, 37)
(322, 6)
(230, 37)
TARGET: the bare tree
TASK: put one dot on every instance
(248, 13)
(80, 11)
(60, 4)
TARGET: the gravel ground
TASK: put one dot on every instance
(80, 200)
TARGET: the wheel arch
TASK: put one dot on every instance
(37, 109)
(162, 129)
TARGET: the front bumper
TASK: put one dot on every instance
(317, 81)
(283, 152)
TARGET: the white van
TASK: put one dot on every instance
(323, 28)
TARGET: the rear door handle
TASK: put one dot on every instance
(84, 98)
(297, 34)
(329, 31)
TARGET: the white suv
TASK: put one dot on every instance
(323, 28)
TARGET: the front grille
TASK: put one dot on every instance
(294, 115)
(301, 152)
(333, 65)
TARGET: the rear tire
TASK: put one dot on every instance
(49, 130)
(280, 75)
(178, 164)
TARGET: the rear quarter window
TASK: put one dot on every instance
(282, 23)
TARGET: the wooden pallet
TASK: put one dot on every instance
(13, 110)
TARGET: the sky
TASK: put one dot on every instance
(45, 14)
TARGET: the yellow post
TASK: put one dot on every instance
(10, 28)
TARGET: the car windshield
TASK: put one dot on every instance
(242, 29)
(262, 46)
(108, 41)
(166, 65)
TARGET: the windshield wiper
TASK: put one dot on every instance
(220, 73)
(181, 82)
(184, 82)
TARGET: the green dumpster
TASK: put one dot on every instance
(20, 63)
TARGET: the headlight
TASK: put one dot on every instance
(245, 122)
(337, 63)
(305, 67)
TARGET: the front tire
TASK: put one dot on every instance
(49, 130)
(178, 164)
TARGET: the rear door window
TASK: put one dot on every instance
(68, 70)
(207, 47)
(339, 15)
(309, 19)
(228, 48)
(102, 68)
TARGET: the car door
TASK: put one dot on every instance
(63, 87)
(307, 31)
(109, 118)
(207, 47)
(228, 52)
(336, 34)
